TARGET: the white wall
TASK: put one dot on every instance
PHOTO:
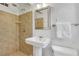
(66, 12)
(77, 12)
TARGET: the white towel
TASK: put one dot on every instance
(59, 29)
(63, 30)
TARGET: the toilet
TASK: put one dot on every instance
(64, 51)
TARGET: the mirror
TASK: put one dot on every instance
(42, 20)
(39, 23)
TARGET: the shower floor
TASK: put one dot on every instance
(18, 53)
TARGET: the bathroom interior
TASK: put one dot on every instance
(39, 29)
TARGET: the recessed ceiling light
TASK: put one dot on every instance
(41, 5)
(38, 6)
(44, 5)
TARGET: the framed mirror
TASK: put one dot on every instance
(42, 18)
(39, 23)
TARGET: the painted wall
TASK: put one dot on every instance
(66, 12)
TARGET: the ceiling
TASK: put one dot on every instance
(18, 8)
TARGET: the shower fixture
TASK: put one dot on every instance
(40, 10)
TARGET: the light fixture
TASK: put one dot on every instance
(39, 6)
(44, 5)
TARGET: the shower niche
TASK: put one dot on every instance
(42, 18)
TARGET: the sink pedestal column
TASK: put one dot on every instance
(37, 51)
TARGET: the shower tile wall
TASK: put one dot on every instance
(25, 30)
(9, 41)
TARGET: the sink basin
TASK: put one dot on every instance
(38, 41)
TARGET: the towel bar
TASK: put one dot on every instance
(71, 24)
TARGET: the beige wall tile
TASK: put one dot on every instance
(9, 40)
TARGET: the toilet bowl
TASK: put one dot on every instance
(64, 51)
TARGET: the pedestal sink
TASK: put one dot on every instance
(38, 43)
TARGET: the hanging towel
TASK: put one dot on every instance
(59, 29)
(63, 30)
